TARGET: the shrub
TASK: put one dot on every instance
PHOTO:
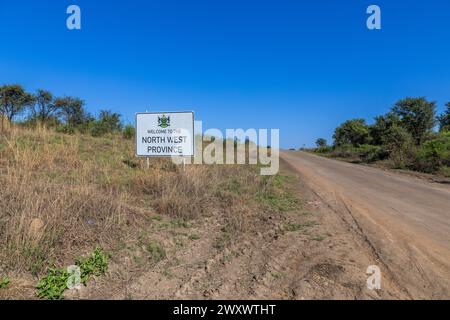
(325, 149)
(434, 153)
(445, 171)
(401, 147)
(369, 153)
(65, 129)
(129, 132)
(98, 129)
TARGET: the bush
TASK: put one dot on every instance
(400, 146)
(325, 149)
(369, 153)
(98, 129)
(344, 151)
(129, 132)
(65, 129)
(434, 154)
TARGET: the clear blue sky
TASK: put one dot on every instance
(301, 66)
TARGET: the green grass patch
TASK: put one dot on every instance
(194, 237)
(275, 193)
(318, 238)
(156, 251)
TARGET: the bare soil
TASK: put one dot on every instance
(323, 256)
(404, 220)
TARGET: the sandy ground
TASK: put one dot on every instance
(405, 221)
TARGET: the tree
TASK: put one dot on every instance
(400, 146)
(321, 142)
(13, 100)
(354, 132)
(111, 120)
(444, 119)
(72, 111)
(380, 129)
(417, 116)
(44, 108)
(108, 122)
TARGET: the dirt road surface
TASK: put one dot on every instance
(404, 221)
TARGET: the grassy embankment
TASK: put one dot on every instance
(62, 196)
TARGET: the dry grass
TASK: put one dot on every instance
(61, 196)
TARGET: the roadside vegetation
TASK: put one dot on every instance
(70, 183)
(404, 138)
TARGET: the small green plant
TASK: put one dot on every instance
(53, 285)
(292, 227)
(157, 252)
(94, 265)
(276, 275)
(4, 282)
(194, 237)
(223, 240)
(181, 223)
(318, 238)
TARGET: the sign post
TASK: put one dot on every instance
(165, 134)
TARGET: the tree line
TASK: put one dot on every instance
(65, 114)
(406, 137)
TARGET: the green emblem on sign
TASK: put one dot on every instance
(164, 121)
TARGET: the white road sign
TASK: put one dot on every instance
(165, 134)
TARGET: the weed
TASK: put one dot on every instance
(276, 275)
(318, 238)
(181, 223)
(94, 265)
(156, 251)
(4, 282)
(53, 285)
(222, 241)
(194, 237)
